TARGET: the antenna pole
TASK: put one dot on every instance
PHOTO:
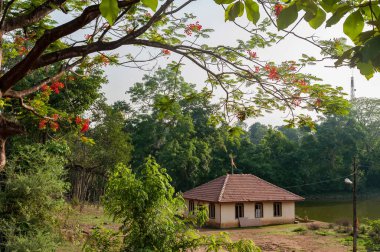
(352, 88)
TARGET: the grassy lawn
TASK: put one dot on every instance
(317, 236)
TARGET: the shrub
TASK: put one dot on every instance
(331, 226)
(30, 197)
(373, 243)
(102, 239)
(313, 226)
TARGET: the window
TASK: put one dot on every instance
(259, 210)
(277, 209)
(211, 211)
(191, 206)
(239, 210)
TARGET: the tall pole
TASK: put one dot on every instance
(355, 219)
(352, 88)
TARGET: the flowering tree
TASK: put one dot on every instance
(32, 43)
(361, 25)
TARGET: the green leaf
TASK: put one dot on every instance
(338, 14)
(252, 9)
(318, 20)
(365, 69)
(227, 12)
(236, 10)
(109, 10)
(287, 16)
(152, 4)
(223, 1)
(353, 25)
(371, 49)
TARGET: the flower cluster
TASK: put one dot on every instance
(55, 86)
(193, 28)
(83, 123)
(88, 37)
(252, 54)
(277, 9)
(20, 43)
(166, 51)
(104, 59)
(272, 72)
(54, 125)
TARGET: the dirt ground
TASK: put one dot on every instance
(283, 238)
(279, 238)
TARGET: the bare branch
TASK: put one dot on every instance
(20, 94)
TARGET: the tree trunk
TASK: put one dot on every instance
(8, 128)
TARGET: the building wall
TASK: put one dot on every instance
(225, 214)
(228, 215)
(212, 222)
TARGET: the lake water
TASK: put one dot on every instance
(338, 210)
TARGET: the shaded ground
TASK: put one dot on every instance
(280, 238)
(78, 222)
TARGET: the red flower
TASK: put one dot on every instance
(85, 126)
(42, 124)
(78, 120)
(55, 117)
(273, 75)
(302, 83)
(54, 126)
(252, 54)
(88, 36)
(45, 87)
(104, 59)
(56, 86)
(277, 9)
(193, 28)
(257, 69)
(166, 51)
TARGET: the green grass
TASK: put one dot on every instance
(347, 241)
(325, 232)
(77, 224)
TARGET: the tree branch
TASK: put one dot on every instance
(20, 70)
(20, 94)
(99, 45)
(35, 15)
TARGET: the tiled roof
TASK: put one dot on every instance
(240, 188)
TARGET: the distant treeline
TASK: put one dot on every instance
(180, 127)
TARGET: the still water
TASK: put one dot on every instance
(338, 210)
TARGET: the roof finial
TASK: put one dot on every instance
(233, 165)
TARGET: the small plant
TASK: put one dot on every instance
(324, 233)
(102, 239)
(313, 226)
(343, 222)
(299, 230)
(331, 226)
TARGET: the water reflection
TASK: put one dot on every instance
(338, 210)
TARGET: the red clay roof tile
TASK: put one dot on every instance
(240, 188)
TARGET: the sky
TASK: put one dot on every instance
(211, 15)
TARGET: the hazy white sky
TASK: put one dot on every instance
(212, 16)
